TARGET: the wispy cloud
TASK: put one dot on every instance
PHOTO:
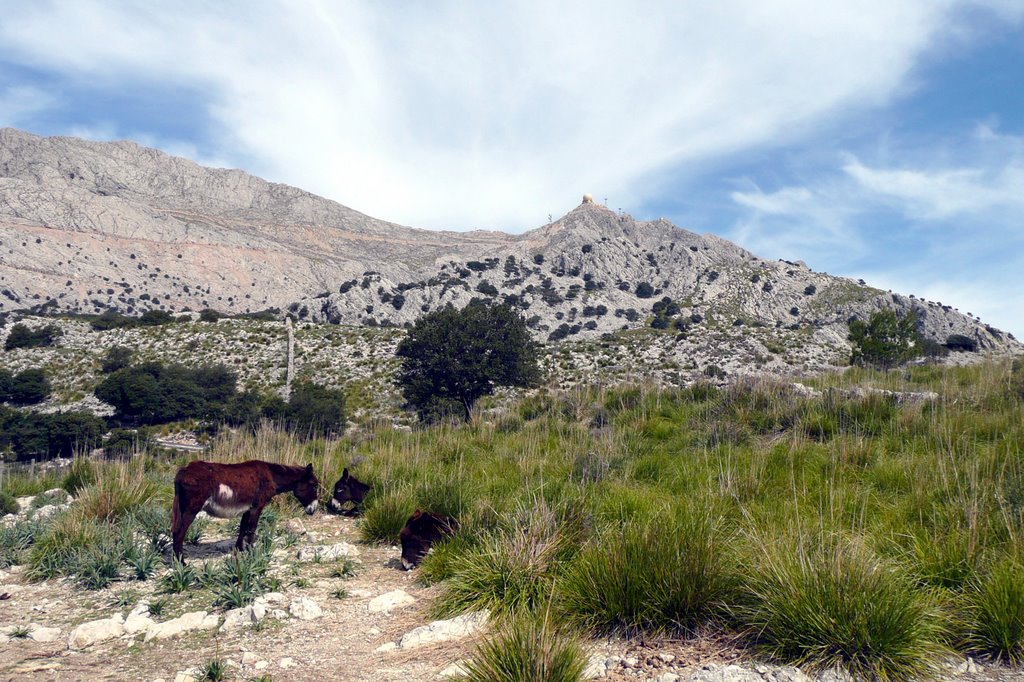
(493, 114)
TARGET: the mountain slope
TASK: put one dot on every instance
(94, 225)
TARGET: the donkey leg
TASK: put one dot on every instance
(254, 522)
(244, 530)
(180, 529)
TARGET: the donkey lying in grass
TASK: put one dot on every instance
(421, 531)
(226, 490)
(348, 489)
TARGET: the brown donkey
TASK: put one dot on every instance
(227, 490)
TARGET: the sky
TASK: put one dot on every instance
(870, 138)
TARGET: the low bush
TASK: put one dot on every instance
(528, 651)
(837, 604)
(385, 515)
(995, 608)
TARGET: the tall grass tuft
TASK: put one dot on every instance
(120, 489)
(528, 651)
(839, 605)
(385, 515)
(995, 608)
(666, 574)
(512, 569)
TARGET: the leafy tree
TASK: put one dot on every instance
(453, 357)
(209, 315)
(153, 393)
(644, 290)
(30, 387)
(6, 381)
(155, 317)
(21, 336)
(315, 409)
(118, 357)
(885, 340)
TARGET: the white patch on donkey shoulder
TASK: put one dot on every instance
(225, 493)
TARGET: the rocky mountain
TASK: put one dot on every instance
(90, 225)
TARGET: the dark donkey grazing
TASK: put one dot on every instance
(226, 490)
(421, 531)
(348, 489)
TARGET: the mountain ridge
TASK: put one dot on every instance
(97, 225)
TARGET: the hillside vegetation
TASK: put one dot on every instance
(842, 525)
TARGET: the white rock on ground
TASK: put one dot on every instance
(457, 669)
(244, 616)
(286, 662)
(189, 675)
(40, 633)
(196, 620)
(249, 658)
(667, 677)
(305, 608)
(138, 620)
(327, 552)
(596, 668)
(444, 630)
(95, 631)
(389, 601)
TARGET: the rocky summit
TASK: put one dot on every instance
(88, 226)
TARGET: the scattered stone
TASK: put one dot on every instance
(597, 668)
(96, 631)
(270, 598)
(196, 620)
(667, 677)
(249, 658)
(261, 665)
(666, 658)
(457, 669)
(386, 647)
(444, 630)
(305, 608)
(389, 601)
(46, 511)
(728, 673)
(243, 617)
(327, 552)
(138, 620)
(295, 526)
(187, 675)
(44, 634)
(286, 662)
(789, 674)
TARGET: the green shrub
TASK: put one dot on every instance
(21, 336)
(8, 503)
(528, 651)
(179, 578)
(510, 571)
(385, 515)
(996, 612)
(837, 604)
(885, 340)
(666, 574)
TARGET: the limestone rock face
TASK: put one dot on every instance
(96, 631)
(92, 225)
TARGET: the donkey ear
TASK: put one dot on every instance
(309, 469)
(344, 474)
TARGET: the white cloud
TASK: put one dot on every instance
(19, 102)
(945, 193)
(490, 114)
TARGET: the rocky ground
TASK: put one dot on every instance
(374, 625)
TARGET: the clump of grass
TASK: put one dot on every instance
(995, 609)
(214, 670)
(385, 516)
(120, 489)
(142, 562)
(528, 651)
(158, 606)
(345, 569)
(839, 605)
(19, 632)
(16, 539)
(512, 569)
(8, 503)
(124, 598)
(666, 574)
(81, 474)
(339, 593)
(243, 577)
(179, 578)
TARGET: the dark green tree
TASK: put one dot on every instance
(453, 357)
(314, 409)
(885, 340)
(118, 357)
(30, 387)
(6, 381)
(21, 336)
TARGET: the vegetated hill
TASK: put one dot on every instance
(93, 225)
